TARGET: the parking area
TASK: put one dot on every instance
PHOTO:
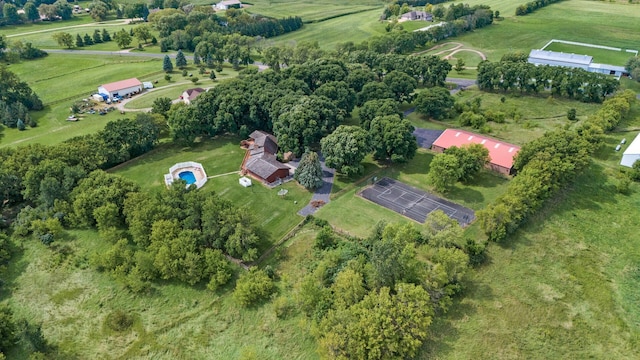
(414, 203)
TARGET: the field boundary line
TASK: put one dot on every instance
(588, 45)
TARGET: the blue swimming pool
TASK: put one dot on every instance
(188, 177)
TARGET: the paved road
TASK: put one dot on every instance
(323, 193)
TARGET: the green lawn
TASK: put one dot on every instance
(611, 57)
(527, 117)
(355, 27)
(352, 213)
(277, 215)
(12, 30)
(45, 40)
(565, 286)
(72, 78)
(309, 12)
(602, 23)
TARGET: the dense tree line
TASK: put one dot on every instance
(16, 100)
(51, 10)
(180, 234)
(458, 19)
(524, 77)
(376, 298)
(304, 103)
(15, 51)
(549, 163)
(180, 30)
(532, 6)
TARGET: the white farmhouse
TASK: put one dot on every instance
(632, 154)
(120, 88)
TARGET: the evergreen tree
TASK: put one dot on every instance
(209, 61)
(212, 75)
(79, 42)
(309, 172)
(87, 40)
(20, 124)
(181, 61)
(96, 37)
(196, 58)
(167, 66)
(105, 35)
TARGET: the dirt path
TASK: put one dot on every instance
(118, 23)
(452, 51)
(450, 56)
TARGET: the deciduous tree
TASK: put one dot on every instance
(63, 39)
(345, 148)
(434, 102)
(253, 286)
(444, 171)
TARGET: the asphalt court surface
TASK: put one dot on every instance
(414, 203)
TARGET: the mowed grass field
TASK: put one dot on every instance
(71, 78)
(357, 216)
(599, 55)
(329, 33)
(602, 23)
(221, 159)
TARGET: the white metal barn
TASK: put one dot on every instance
(553, 58)
(121, 88)
(632, 153)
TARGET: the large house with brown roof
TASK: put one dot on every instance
(500, 153)
(260, 160)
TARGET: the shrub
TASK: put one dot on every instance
(119, 321)
(571, 114)
(253, 286)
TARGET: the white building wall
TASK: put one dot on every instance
(557, 63)
(121, 92)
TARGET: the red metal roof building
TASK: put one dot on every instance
(500, 153)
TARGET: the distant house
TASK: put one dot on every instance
(417, 16)
(585, 62)
(228, 4)
(121, 88)
(500, 153)
(191, 94)
(260, 161)
(632, 154)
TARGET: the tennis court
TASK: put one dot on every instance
(414, 203)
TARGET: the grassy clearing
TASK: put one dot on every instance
(71, 301)
(528, 117)
(46, 26)
(599, 55)
(470, 58)
(356, 215)
(45, 39)
(313, 12)
(602, 23)
(277, 215)
(71, 78)
(328, 33)
(563, 287)
(80, 75)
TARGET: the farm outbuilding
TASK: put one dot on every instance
(121, 88)
(585, 62)
(228, 4)
(500, 153)
(632, 153)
